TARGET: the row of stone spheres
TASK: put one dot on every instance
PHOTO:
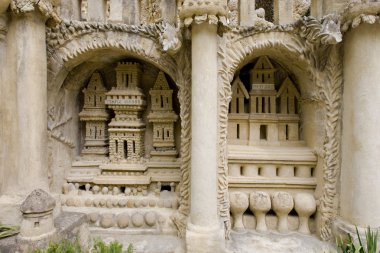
(189, 125)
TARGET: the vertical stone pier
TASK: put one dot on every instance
(25, 160)
(203, 227)
(204, 231)
(360, 173)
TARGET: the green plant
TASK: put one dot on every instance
(6, 231)
(61, 247)
(350, 247)
(113, 247)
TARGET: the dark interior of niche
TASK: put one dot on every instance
(268, 6)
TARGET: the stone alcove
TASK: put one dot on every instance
(87, 179)
(278, 159)
(66, 102)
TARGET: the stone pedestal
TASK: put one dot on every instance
(360, 174)
(202, 233)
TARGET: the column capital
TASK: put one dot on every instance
(20, 7)
(199, 11)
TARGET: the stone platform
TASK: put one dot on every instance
(272, 242)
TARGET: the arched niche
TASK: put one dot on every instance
(254, 162)
(66, 102)
(311, 129)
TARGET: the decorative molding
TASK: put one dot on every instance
(224, 101)
(330, 92)
(359, 12)
(198, 11)
(184, 97)
(326, 31)
(170, 39)
(67, 30)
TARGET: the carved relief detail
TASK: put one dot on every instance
(330, 90)
(184, 96)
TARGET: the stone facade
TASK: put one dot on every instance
(192, 120)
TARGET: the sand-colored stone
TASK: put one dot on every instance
(168, 119)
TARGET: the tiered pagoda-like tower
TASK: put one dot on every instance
(95, 116)
(163, 118)
(127, 100)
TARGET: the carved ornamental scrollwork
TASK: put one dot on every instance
(184, 96)
(168, 36)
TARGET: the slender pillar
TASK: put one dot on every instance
(360, 171)
(204, 233)
(204, 125)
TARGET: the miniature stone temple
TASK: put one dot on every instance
(163, 118)
(189, 126)
(95, 116)
(126, 129)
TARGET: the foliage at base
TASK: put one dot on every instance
(99, 246)
(350, 247)
(61, 247)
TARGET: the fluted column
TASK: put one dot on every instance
(204, 232)
(360, 171)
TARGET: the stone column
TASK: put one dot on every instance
(360, 170)
(204, 231)
(26, 112)
(204, 125)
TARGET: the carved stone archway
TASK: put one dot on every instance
(297, 53)
(72, 44)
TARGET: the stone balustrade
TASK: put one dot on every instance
(278, 211)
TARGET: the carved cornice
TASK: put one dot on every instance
(199, 11)
(168, 36)
(44, 6)
(325, 31)
(357, 13)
